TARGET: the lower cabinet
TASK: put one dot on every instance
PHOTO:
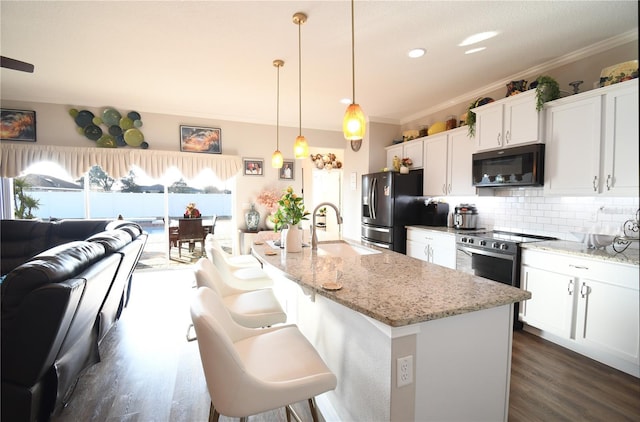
(432, 246)
(590, 306)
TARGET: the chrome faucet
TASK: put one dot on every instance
(314, 236)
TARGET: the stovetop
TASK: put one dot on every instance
(497, 240)
(508, 236)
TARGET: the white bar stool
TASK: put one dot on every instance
(254, 309)
(245, 278)
(234, 262)
(250, 371)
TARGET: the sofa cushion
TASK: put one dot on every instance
(112, 240)
(51, 266)
(64, 231)
(21, 240)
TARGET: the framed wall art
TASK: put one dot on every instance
(253, 166)
(17, 125)
(287, 171)
(206, 140)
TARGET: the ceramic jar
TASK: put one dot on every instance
(252, 218)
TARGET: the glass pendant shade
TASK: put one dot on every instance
(277, 160)
(301, 147)
(353, 124)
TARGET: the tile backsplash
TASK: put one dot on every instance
(528, 211)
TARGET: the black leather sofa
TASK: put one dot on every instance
(65, 284)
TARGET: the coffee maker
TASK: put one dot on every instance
(435, 213)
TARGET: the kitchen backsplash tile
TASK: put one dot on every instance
(529, 211)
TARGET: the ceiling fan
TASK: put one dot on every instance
(16, 64)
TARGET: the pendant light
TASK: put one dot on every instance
(353, 124)
(276, 158)
(300, 147)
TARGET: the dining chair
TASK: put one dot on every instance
(190, 231)
(249, 370)
(254, 309)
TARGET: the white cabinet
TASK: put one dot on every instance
(508, 122)
(592, 143)
(432, 246)
(588, 305)
(411, 149)
(448, 163)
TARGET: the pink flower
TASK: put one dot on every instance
(269, 199)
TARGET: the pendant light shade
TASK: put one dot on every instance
(276, 158)
(353, 125)
(301, 146)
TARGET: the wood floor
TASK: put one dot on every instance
(149, 372)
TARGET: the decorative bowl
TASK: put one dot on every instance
(619, 73)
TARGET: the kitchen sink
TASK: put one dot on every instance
(342, 248)
(595, 239)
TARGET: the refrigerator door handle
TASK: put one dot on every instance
(372, 197)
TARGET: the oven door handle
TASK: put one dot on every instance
(498, 255)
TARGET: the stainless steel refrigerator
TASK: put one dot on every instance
(390, 201)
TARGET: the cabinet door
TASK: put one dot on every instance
(572, 153)
(444, 251)
(521, 120)
(393, 151)
(621, 142)
(435, 170)
(460, 174)
(551, 305)
(489, 127)
(419, 250)
(609, 318)
(413, 150)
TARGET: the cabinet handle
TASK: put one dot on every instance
(595, 183)
(508, 137)
(608, 180)
(570, 287)
(449, 190)
(444, 188)
(584, 290)
(426, 252)
(578, 267)
(498, 138)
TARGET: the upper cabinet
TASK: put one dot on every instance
(592, 142)
(508, 122)
(410, 149)
(448, 166)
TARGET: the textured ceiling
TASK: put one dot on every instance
(214, 59)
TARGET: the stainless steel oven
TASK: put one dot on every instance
(494, 255)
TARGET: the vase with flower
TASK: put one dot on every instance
(405, 163)
(290, 213)
(269, 199)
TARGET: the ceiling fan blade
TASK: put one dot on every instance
(16, 64)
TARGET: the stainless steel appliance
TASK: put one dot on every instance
(516, 166)
(391, 201)
(494, 255)
(465, 217)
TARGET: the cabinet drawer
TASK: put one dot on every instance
(422, 235)
(622, 275)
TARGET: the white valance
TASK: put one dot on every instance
(115, 162)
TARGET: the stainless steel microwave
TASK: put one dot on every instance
(515, 166)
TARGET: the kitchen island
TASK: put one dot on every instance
(407, 340)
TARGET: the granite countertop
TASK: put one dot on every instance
(630, 256)
(392, 288)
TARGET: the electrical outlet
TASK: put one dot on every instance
(404, 370)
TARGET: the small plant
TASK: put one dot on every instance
(407, 162)
(547, 89)
(291, 210)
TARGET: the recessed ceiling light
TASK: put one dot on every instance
(416, 52)
(476, 38)
(475, 50)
